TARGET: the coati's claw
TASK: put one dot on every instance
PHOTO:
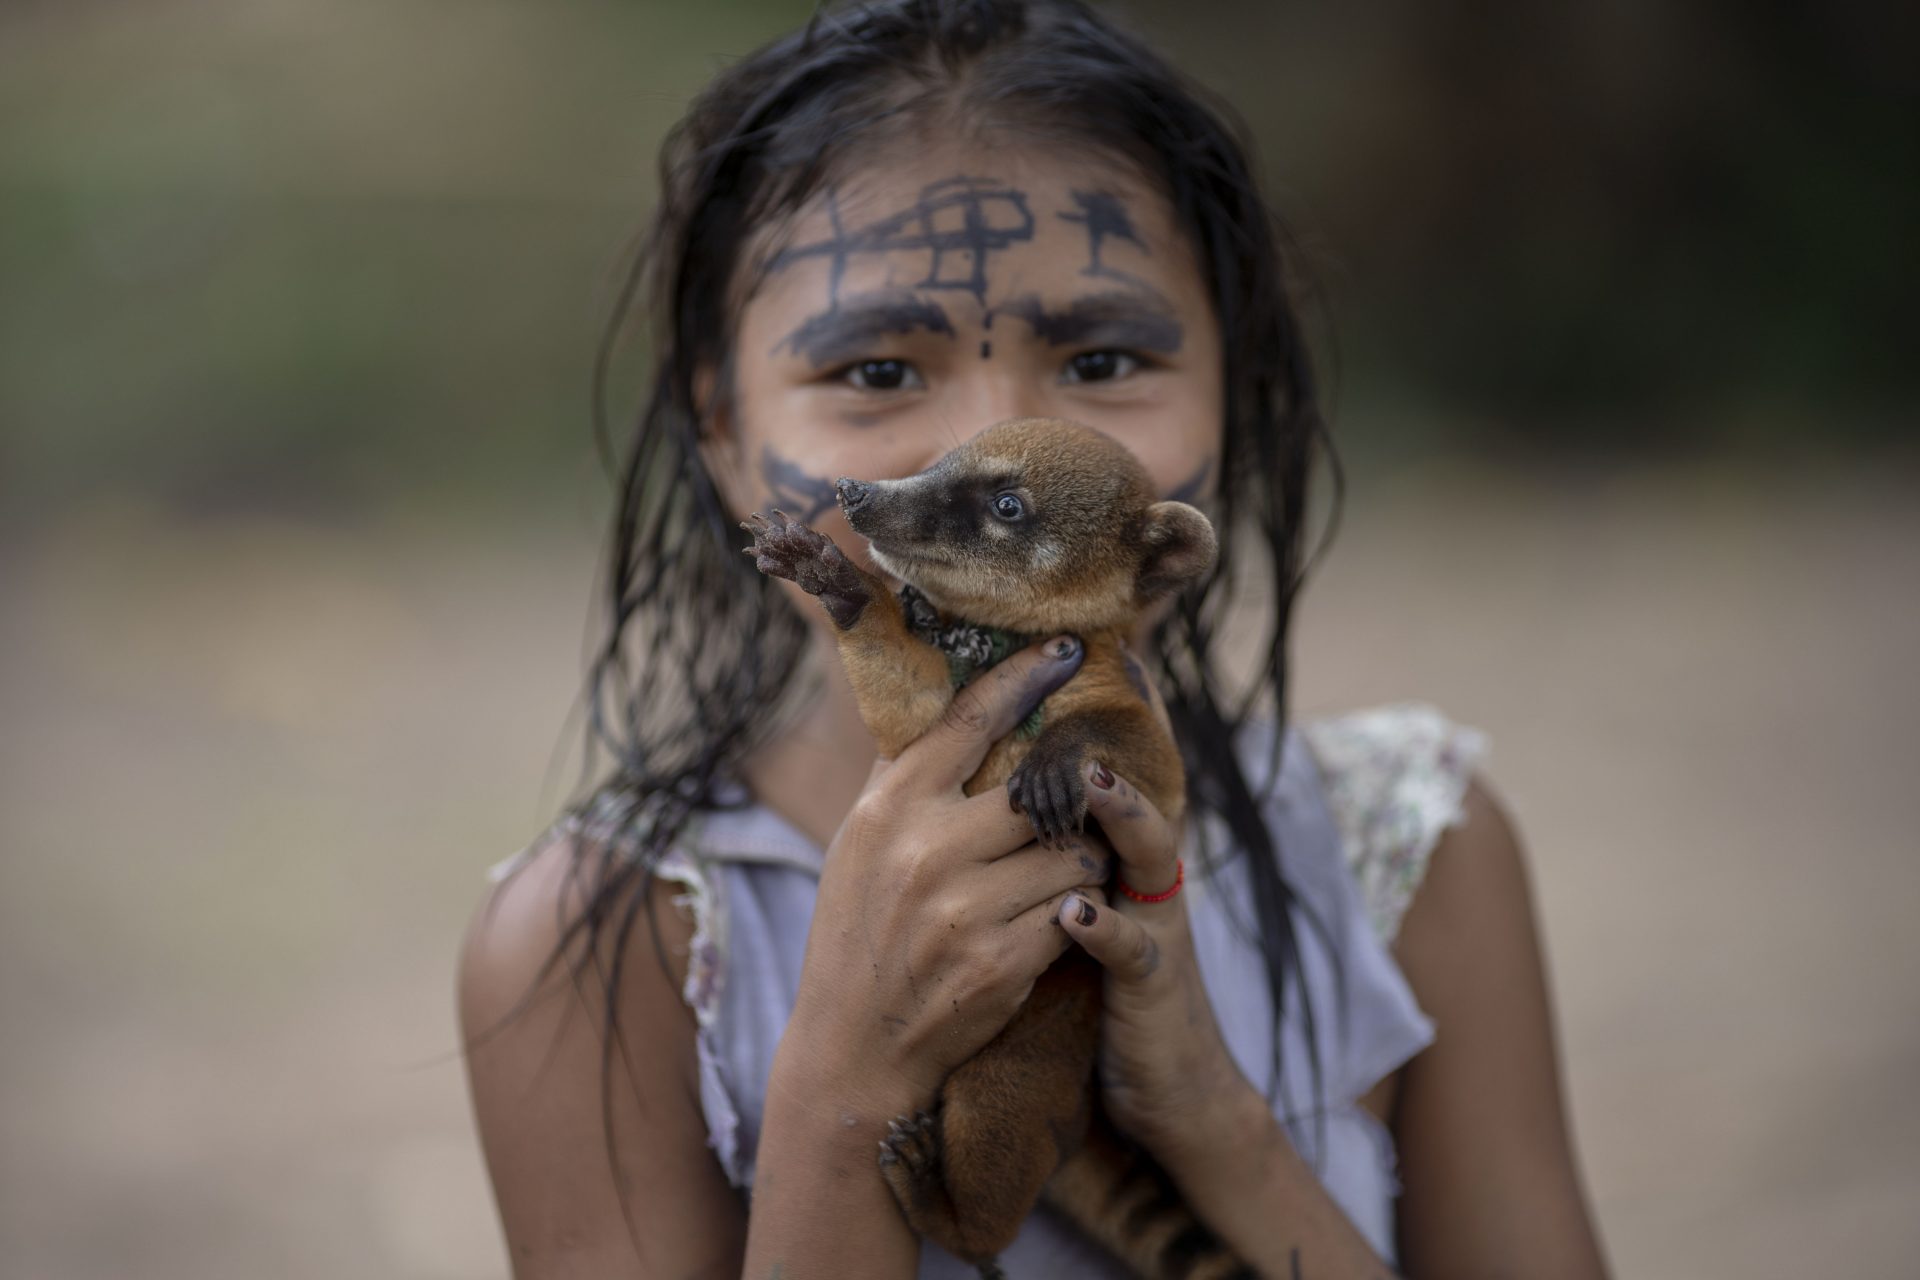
(913, 1144)
(784, 548)
(1046, 786)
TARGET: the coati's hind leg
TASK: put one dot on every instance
(968, 1176)
(911, 1164)
(900, 682)
(1117, 1195)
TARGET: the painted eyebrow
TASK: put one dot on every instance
(1140, 318)
(850, 328)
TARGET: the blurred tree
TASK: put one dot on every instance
(358, 251)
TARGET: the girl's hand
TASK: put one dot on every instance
(1164, 1067)
(936, 911)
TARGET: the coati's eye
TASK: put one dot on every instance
(881, 375)
(1101, 366)
(1008, 506)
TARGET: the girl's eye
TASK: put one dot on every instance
(1101, 366)
(1008, 506)
(881, 375)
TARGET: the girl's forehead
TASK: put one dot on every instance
(1011, 192)
(969, 223)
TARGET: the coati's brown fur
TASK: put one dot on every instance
(1083, 547)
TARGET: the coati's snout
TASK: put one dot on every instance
(879, 511)
(852, 494)
(1033, 522)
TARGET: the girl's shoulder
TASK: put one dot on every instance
(1395, 778)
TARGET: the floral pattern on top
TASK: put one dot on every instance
(1395, 777)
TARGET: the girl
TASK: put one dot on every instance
(875, 238)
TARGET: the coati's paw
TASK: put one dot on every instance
(1046, 786)
(914, 1161)
(784, 548)
(910, 1163)
(912, 1146)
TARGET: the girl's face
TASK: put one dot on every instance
(920, 303)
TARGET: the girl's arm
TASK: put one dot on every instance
(1486, 1157)
(1169, 1080)
(935, 915)
(1484, 1152)
(535, 1073)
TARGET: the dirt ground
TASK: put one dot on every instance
(252, 773)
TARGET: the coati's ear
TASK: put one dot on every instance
(1180, 547)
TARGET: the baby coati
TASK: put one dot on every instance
(1034, 527)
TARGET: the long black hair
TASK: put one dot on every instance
(700, 651)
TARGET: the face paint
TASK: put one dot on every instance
(1135, 676)
(1188, 490)
(850, 327)
(792, 489)
(959, 222)
(1130, 318)
(1103, 214)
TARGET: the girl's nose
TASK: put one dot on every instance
(995, 396)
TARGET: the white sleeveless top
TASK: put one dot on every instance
(1355, 816)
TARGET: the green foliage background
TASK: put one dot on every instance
(355, 254)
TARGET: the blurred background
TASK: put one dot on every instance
(299, 518)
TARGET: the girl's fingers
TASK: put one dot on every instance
(1000, 829)
(989, 709)
(1122, 946)
(1035, 938)
(1034, 878)
(1146, 843)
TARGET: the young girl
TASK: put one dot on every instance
(875, 239)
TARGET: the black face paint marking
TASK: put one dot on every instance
(1135, 675)
(958, 221)
(847, 330)
(1104, 215)
(1140, 319)
(792, 489)
(986, 351)
(1188, 490)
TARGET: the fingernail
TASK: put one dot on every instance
(1063, 654)
(1087, 914)
(1102, 777)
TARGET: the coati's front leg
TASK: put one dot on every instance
(900, 682)
(1048, 786)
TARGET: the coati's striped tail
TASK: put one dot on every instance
(1118, 1195)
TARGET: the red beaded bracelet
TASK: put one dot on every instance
(1179, 878)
